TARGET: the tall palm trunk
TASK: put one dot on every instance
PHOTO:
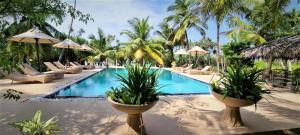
(187, 40)
(268, 74)
(172, 54)
(218, 47)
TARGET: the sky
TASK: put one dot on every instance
(112, 16)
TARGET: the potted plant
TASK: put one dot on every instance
(238, 87)
(137, 94)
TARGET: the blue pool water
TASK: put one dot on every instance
(99, 83)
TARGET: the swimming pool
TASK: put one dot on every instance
(99, 83)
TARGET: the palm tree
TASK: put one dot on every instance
(166, 34)
(184, 18)
(244, 32)
(219, 10)
(101, 44)
(142, 47)
(268, 18)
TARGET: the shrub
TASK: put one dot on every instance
(36, 126)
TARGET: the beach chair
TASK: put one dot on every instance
(88, 67)
(17, 76)
(179, 68)
(27, 69)
(65, 70)
(203, 71)
(187, 68)
(61, 66)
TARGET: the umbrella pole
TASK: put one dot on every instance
(37, 52)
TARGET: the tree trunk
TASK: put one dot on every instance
(70, 30)
(286, 71)
(268, 74)
(187, 40)
(172, 54)
(218, 47)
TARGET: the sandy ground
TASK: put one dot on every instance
(173, 115)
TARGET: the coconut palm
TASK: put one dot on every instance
(184, 18)
(166, 36)
(243, 32)
(219, 10)
(140, 43)
(101, 44)
(269, 17)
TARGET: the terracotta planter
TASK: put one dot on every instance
(134, 119)
(232, 115)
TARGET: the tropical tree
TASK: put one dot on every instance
(140, 43)
(219, 10)
(166, 36)
(185, 17)
(100, 44)
(272, 21)
(243, 32)
(267, 17)
(18, 19)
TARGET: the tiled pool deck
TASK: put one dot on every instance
(175, 115)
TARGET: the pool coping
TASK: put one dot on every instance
(67, 84)
(56, 90)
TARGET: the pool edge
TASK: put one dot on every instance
(53, 92)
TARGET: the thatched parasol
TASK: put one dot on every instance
(85, 48)
(35, 36)
(283, 48)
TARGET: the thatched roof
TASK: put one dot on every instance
(283, 48)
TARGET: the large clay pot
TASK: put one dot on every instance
(232, 115)
(134, 116)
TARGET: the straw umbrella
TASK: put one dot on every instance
(181, 52)
(86, 48)
(67, 43)
(34, 36)
(198, 51)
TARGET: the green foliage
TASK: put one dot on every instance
(36, 126)
(20, 19)
(233, 50)
(12, 94)
(296, 79)
(260, 64)
(185, 16)
(6, 62)
(40, 9)
(243, 32)
(141, 47)
(240, 82)
(272, 20)
(140, 87)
